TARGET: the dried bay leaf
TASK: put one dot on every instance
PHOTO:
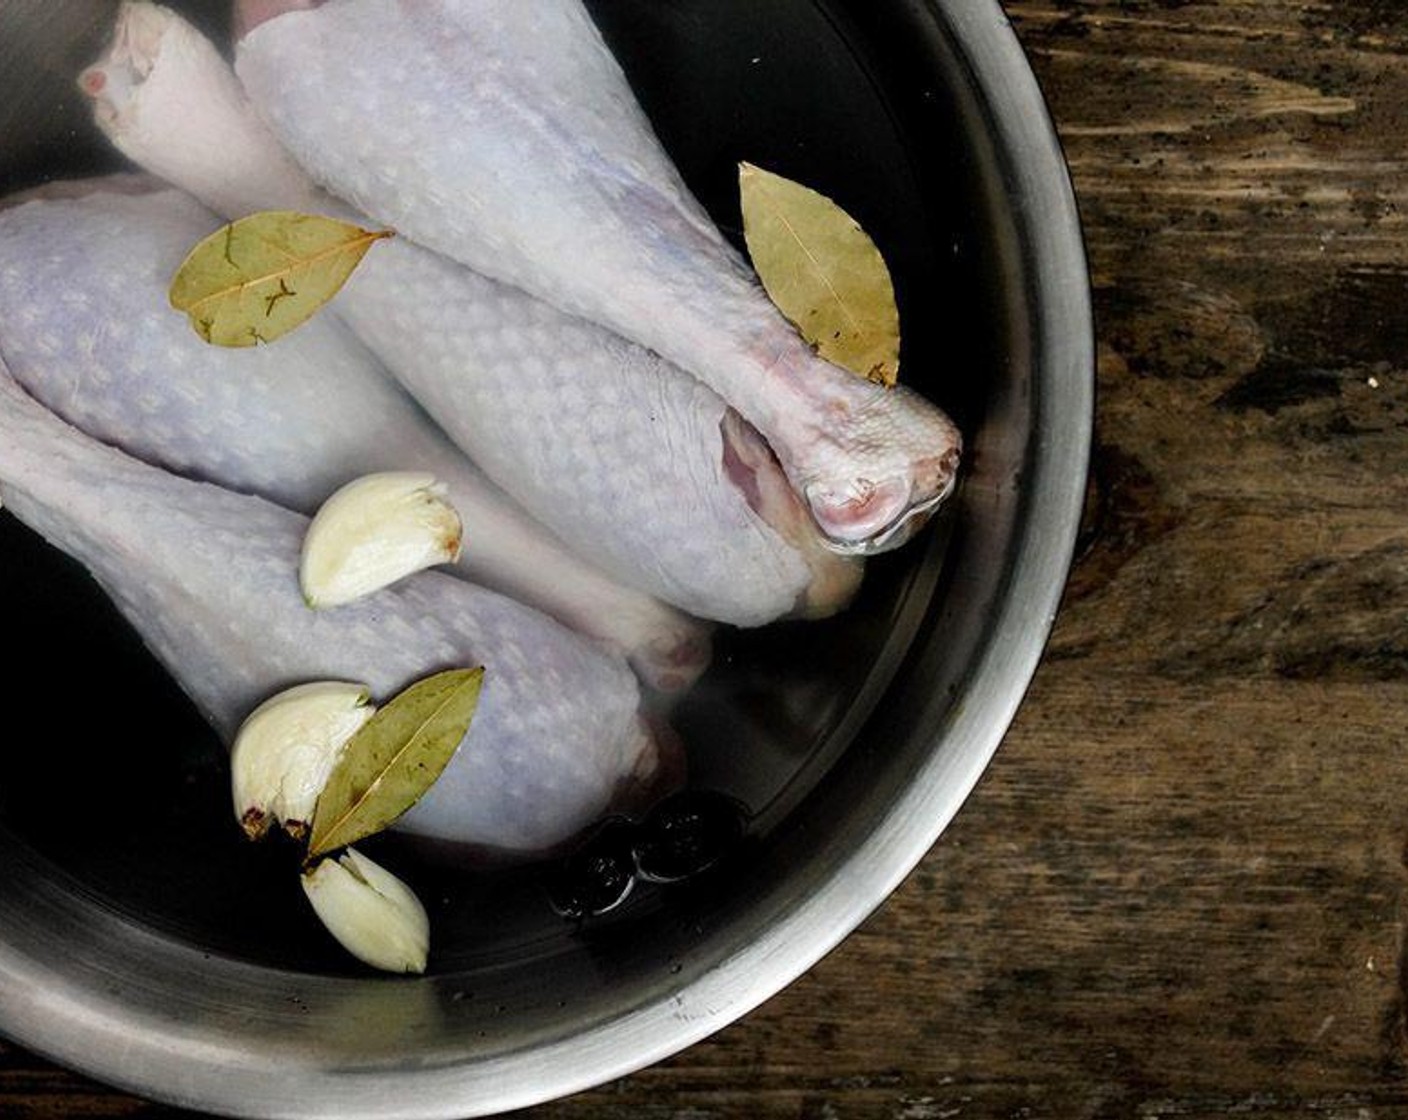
(260, 277)
(823, 272)
(396, 756)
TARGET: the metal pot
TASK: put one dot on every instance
(141, 944)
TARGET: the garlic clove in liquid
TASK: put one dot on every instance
(375, 531)
(372, 914)
(286, 749)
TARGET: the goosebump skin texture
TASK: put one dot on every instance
(208, 579)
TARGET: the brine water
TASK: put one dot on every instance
(110, 773)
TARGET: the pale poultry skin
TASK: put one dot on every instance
(633, 463)
(504, 133)
(88, 331)
(208, 578)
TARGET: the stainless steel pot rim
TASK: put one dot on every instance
(66, 1020)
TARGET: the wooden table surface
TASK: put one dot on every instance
(1178, 891)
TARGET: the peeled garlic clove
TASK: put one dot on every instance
(375, 531)
(286, 749)
(373, 915)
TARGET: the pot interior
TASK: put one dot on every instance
(127, 888)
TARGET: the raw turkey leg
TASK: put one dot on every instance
(632, 462)
(208, 578)
(504, 134)
(88, 331)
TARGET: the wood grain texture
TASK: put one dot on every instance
(1179, 890)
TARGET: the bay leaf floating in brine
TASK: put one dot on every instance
(260, 277)
(823, 272)
(396, 756)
